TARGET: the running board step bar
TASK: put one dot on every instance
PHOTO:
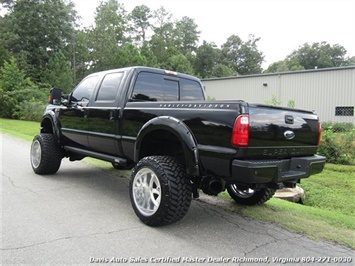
(96, 155)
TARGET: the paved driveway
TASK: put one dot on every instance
(83, 216)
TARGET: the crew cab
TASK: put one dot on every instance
(159, 123)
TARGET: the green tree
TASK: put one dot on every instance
(12, 79)
(16, 89)
(129, 55)
(58, 73)
(173, 43)
(318, 55)
(34, 30)
(163, 25)
(221, 70)
(279, 66)
(151, 59)
(108, 35)
(179, 63)
(140, 17)
(4, 56)
(243, 57)
(350, 61)
(162, 41)
(81, 56)
(207, 56)
(187, 35)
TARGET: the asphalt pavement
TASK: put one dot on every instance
(84, 216)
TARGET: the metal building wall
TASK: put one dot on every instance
(321, 90)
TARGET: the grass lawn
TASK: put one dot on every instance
(21, 129)
(327, 213)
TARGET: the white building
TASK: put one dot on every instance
(328, 91)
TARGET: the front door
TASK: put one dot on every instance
(74, 117)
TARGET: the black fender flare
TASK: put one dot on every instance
(181, 131)
(53, 120)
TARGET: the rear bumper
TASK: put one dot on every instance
(276, 171)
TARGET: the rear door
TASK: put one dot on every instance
(103, 122)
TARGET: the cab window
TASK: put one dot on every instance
(109, 87)
(149, 87)
(190, 90)
(158, 87)
(84, 90)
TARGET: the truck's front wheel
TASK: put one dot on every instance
(250, 196)
(46, 155)
(160, 190)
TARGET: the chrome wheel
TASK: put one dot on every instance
(250, 196)
(36, 153)
(146, 191)
(160, 190)
(246, 193)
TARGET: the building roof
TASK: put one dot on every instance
(284, 73)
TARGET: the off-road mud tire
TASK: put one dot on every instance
(160, 190)
(46, 155)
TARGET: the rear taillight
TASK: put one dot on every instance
(319, 133)
(240, 135)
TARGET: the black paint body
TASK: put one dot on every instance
(126, 129)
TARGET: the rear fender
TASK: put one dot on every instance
(181, 131)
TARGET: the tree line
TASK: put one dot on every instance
(42, 45)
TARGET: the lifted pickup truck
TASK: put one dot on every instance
(159, 123)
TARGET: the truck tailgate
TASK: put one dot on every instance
(277, 132)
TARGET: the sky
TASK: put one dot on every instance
(282, 25)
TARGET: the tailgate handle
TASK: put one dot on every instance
(289, 119)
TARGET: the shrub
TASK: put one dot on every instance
(338, 127)
(338, 143)
(20, 98)
(31, 110)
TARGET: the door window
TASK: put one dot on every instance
(84, 90)
(109, 87)
(157, 87)
(149, 87)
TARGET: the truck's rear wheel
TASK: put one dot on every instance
(160, 190)
(250, 196)
(46, 155)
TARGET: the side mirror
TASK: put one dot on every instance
(55, 96)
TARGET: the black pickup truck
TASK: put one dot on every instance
(159, 123)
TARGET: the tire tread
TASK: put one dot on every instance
(177, 187)
(51, 156)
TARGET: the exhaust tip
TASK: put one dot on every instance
(212, 186)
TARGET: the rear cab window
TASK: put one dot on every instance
(190, 90)
(158, 87)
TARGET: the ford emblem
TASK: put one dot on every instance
(289, 134)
